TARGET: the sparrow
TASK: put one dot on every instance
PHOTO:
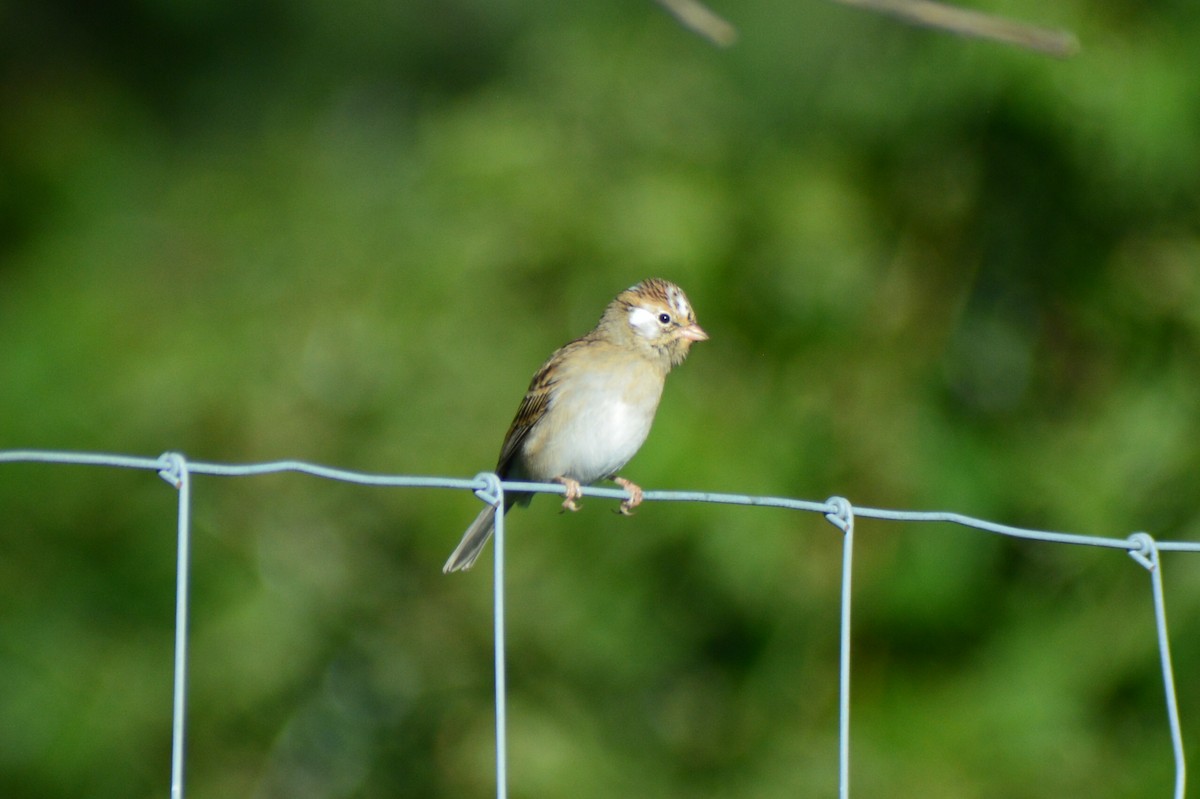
(589, 407)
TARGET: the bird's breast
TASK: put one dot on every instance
(595, 424)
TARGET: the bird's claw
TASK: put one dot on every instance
(635, 496)
(574, 492)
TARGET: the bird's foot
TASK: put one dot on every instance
(574, 492)
(635, 496)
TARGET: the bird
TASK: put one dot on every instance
(589, 407)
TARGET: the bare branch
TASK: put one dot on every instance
(966, 22)
(699, 18)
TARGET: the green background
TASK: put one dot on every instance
(937, 273)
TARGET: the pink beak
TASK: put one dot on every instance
(693, 332)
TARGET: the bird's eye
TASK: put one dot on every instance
(664, 318)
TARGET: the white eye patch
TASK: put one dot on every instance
(644, 321)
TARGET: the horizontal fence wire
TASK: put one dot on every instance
(178, 470)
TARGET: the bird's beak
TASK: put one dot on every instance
(693, 332)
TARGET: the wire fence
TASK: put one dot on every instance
(177, 470)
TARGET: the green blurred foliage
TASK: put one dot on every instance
(938, 273)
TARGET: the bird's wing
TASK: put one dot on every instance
(537, 401)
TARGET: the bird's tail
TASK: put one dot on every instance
(473, 541)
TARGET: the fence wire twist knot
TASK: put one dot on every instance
(840, 514)
(174, 465)
(1145, 550)
(491, 492)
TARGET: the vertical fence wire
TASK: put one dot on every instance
(177, 471)
(494, 494)
(1148, 556)
(842, 517)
